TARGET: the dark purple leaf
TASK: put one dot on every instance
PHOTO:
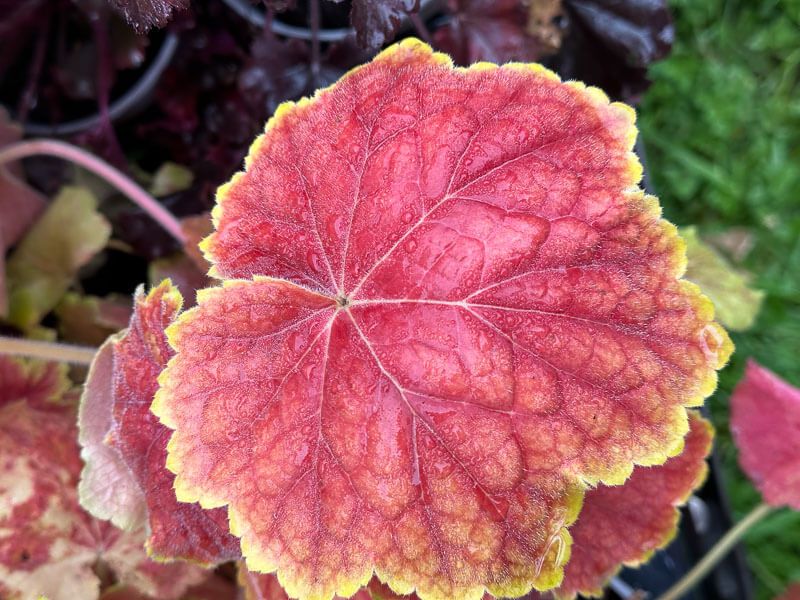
(611, 42)
(376, 21)
(637, 31)
(607, 43)
(144, 14)
(488, 30)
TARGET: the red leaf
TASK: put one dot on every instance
(48, 544)
(626, 524)
(471, 312)
(124, 440)
(765, 422)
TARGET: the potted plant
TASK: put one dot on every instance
(426, 351)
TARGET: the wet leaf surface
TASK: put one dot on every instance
(442, 316)
(124, 446)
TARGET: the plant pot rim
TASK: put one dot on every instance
(134, 98)
(255, 16)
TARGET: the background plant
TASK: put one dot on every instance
(721, 126)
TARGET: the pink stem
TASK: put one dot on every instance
(102, 169)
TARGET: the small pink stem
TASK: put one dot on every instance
(102, 169)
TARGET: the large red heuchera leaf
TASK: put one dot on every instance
(626, 524)
(48, 544)
(765, 422)
(617, 525)
(124, 445)
(457, 308)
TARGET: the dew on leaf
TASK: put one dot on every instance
(473, 418)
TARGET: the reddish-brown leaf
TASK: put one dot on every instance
(448, 308)
(125, 446)
(182, 271)
(195, 229)
(214, 587)
(765, 422)
(89, 320)
(624, 525)
(48, 544)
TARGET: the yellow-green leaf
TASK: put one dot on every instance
(170, 178)
(44, 264)
(736, 303)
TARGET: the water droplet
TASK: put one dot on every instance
(483, 342)
(308, 370)
(336, 226)
(410, 245)
(295, 341)
(407, 216)
(301, 454)
(314, 260)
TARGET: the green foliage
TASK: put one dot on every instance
(721, 126)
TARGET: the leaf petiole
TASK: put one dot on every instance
(717, 553)
(80, 355)
(100, 168)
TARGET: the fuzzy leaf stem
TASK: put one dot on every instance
(79, 355)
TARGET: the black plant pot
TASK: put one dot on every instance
(126, 105)
(53, 69)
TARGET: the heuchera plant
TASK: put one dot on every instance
(49, 545)
(450, 354)
(447, 311)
